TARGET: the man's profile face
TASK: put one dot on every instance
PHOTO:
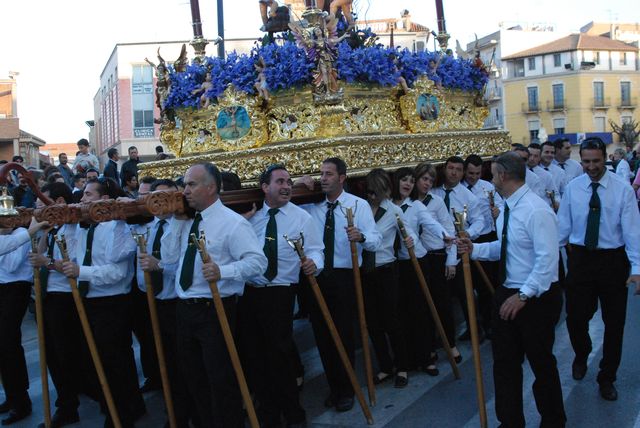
(91, 193)
(330, 181)
(199, 188)
(497, 178)
(564, 153)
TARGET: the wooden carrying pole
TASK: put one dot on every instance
(84, 322)
(485, 277)
(297, 245)
(473, 322)
(155, 326)
(430, 302)
(364, 333)
(226, 332)
(44, 377)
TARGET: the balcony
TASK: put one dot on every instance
(601, 103)
(557, 105)
(530, 108)
(492, 123)
(494, 94)
(628, 103)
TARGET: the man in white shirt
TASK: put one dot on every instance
(9, 243)
(527, 307)
(85, 160)
(547, 155)
(572, 168)
(236, 256)
(622, 166)
(532, 180)
(551, 191)
(265, 315)
(336, 279)
(599, 218)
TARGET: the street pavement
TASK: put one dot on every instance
(440, 401)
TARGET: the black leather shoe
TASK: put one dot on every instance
(61, 419)
(5, 407)
(578, 370)
(329, 401)
(380, 378)
(150, 385)
(344, 404)
(16, 415)
(431, 371)
(401, 381)
(608, 391)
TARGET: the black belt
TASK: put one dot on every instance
(197, 301)
(440, 252)
(598, 250)
(386, 266)
(162, 302)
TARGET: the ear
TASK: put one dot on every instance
(342, 178)
(264, 186)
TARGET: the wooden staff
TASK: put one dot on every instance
(430, 302)
(460, 220)
(155, 326)
(226, 332)
(44, 377)
(297, 245)
(485, 277)
(364, 333)
(93, 349)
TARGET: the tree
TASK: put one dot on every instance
(628, 132)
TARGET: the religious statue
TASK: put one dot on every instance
(274, 17)
(163, 87)
(203, 89)
(261, 81)
(334, 5)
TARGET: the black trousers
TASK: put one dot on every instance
(110, 321)
(338, 291)
(168, 333)
(597, 276)
(204, 362)
(415, 318)
(485, 297)
(437, 283)
(380, 290)
(14, 299)
(65, 343)
(530, 334)
(265, 330)
(141, 326)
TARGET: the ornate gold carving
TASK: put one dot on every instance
(159, 203)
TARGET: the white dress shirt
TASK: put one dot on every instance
(558, 175)
(14, 266)
(532, 244)
(291, 220)
(431, 242)
(418, 218)
(362, 219)
(533, 181)
(387, 225)
(458, 199)
(231, 243)
(9, 243)
(571, 167)
(168, 269)
(57, 281)
(548, 183)
(111, 269)
(481, 190)
(619, 217)
(623, 170)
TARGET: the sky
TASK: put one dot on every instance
(60, 47)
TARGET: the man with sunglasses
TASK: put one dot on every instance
(598, 216)
(572, 168)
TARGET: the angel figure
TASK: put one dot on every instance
(261, 81)
(334, 5)
(203, 89)
(432, 71)
(163, 87)
(402, 82)
(180, 64)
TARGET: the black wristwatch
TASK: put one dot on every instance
(522, 297)
(364, 238)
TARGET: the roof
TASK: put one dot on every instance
(574, 42)
(24, 136)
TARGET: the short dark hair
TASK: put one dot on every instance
(535, 146)
(559, 142)
(78, 176)
(398, 175)
(51, 169)
(379, 183)
(265, 177)
(108, 186)
(93, 170)
(454, 159)
(53, 177)
(547, 143)
(163, 182)
(474, 160)
(594, 143)
(230, 181)
(159, 149)
(111, 152)
(127, 176)
(212, 171)
(520, 148)
(512, 165)
(57, 190)
(341, 166)
(83, 142)
(132, 148)
(61, 154)
(147, 180)
(17, 158)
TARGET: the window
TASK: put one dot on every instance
(420, 46)
(532, 63)
(598, 94)
(623, 58)
(142, 100)
(558, 96)
(625, 93)
(534, 128)
(596, 58)
(558, 125)
(557, 60)
(600, 124)
(518, 68)
(532, 94)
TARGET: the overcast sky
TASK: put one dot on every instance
(60, 47)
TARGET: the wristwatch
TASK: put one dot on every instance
(364, 238)
(522, 297)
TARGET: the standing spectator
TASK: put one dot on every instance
(572, 168)
(84, 159)
(111, 168)
(622, 168)
(130, 181)
(65, 170)
(130, 166)
(79, 181)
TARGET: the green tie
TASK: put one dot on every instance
(502, 267)
(271, 245)
(426, 200)
(470, 186)
(369, 257)
(446, 199)
(329, 237)
(593, 220)
(156, 276)
(186, 275)
(44, 272)
(83, 286)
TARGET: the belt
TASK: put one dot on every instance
(598, 250)
(267, 285)
(161, 302)
(197, 301)
(440, 252)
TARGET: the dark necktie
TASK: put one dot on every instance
(83, 286)
(426, 200)
(446, 199)
(271, 245)
(369, 257)
(329, 237)
(156, 276)
(44, 272)
(531, 169)
(502, 267)
(469, 187)
(186, 274)
(593, 220)
(546, 168)
(561, 165)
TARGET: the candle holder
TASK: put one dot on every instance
(7, 207)
(296, 243)
(460, 219)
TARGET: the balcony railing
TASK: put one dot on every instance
(530, 108)
(601, 103)
(557, 105)
(628, 103)
(494, 94)
(493, 123)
